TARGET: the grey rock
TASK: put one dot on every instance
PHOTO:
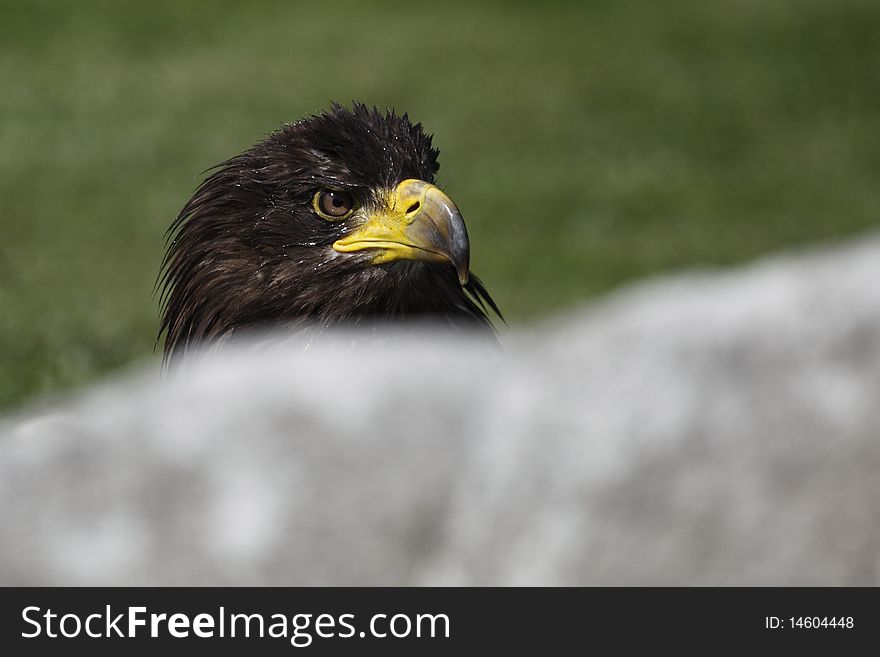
(710, 428)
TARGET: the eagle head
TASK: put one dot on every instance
(332, 220)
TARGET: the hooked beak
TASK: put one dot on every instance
(419, 223)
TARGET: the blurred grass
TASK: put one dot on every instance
(586, 143)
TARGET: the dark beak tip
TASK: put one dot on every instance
(461, 263)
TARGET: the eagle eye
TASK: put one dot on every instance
(333, 205)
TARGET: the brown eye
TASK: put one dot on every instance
(333, 205)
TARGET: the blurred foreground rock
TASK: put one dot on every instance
(719, 428)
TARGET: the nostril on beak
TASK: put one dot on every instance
(413, 208)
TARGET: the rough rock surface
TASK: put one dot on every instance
(709, 428)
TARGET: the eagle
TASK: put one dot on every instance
(331, 221)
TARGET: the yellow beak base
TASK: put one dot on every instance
(419, 223)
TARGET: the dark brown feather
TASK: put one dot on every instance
(247, 250)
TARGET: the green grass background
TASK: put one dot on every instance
(587, 143)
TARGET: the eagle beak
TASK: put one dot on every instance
(419, 223)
